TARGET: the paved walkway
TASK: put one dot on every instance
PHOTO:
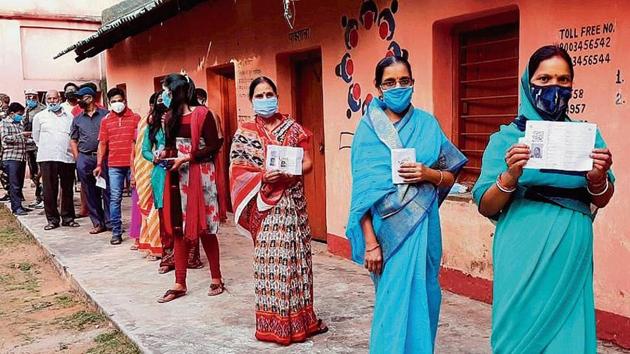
(125, 286)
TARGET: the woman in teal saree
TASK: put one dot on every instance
(543, 244)
(394, 229)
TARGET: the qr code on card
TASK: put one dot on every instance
(538, 136)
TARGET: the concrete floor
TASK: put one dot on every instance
(125, 286)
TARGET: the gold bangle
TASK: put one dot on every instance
(441, 178)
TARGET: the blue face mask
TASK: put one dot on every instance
(266, 107)
(166, 99)
(31, 103)
(398, 99)
(551, 101)
(17, 118)
(54, 107)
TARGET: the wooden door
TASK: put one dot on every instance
(229, 124)
(221, 87)
(309, 111)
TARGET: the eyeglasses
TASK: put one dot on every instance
(403, 82)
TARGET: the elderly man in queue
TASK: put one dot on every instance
(84, 143)
(51, 133)
(116, 139)
(33, 107)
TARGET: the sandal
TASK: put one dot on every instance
(216, 289)
(195, 266)
(133, 247)
(152, 258)
(50, 226)
(97, 230)
(70, 224)
(321, 328)
(171, 295)
(165, 269)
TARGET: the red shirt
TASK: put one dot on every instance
(119, 132)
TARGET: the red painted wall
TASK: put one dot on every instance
(254, 36)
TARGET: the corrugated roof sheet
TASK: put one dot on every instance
(136, 21)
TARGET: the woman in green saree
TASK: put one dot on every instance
(543, 244)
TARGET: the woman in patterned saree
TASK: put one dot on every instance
(190, 212)
(270, 207)
(394, 229)
(543, 244)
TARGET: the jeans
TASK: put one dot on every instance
(15, 170)
(117, 176)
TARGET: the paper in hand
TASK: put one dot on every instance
(286, 159)
(101, 183)
(400, 156)
(564, 146)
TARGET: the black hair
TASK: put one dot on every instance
(15, 107)
(90, 85)
(387, 62)
(548, 52)
(5, 98)
(65, 87)
(201, 92)
(153, 97)
(154, 120)
(259, 80)
(182, 90)
(116, 92)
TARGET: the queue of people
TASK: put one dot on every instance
(543, 291)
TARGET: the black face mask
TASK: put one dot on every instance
(83, 104)
(71, 97)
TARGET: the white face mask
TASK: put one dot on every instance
(118, 107)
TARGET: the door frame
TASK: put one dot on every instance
(292, 60)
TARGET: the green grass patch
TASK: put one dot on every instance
(25, 266)
(113, 342)
(81, 320)
(31, 284)
(65, 301)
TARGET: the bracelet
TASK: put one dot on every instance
(502, 188)
(373, 248)
(441, 178)
(600, 193)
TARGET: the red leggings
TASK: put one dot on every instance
(211, 248)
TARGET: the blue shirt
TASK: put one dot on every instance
(85, 130)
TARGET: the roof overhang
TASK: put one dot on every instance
(137, 17)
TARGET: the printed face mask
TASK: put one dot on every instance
(266, 107)
(551, 101)
(31, 103)
(398, 99)
(118, 107)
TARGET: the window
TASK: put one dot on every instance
(487, 87)
(157, 82)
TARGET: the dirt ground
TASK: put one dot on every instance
(39, 311)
